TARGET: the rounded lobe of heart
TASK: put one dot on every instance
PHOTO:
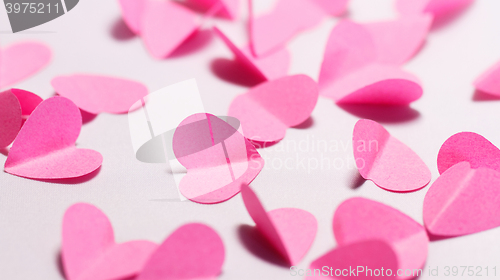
(10, 118)
(132, 11)
(28, 100)
(437, 8)
(489, 81)
(193, 251)
(359, 219)
(97, 94)
(165, 26)
(463, 201)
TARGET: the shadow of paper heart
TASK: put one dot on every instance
(445, 19)
(483, 96)
(233, 72)
(120, 31)
(73, 181)
(357, 181)
(254, 242)
(306, 124)
(382, 114)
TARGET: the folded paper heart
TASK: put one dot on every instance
(463, 201)
(265, 68)
(437, 8)
(45, 146)
(361, 220)
(470, 147)
(217, 157)
(15, 107)
(89, 251)
(194, 251)
(290, 231)
(132, 13)
(99, 94)
(489, 81)
(269, 109)
(385, 160)
(21, 60)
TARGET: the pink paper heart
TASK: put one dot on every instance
(217, 157)
(89, 250)
(99, 94)
(45, 146)
(21, 60)
(165, 25)
(227, 8)
(470, 147)
(132, 13)
(266, 68)
(463, 201)
(359, 219)
(387, 161)
(269, 109)
(193, 251)
(437, 8)
(290, 231)
(489, 81)
(332, 7)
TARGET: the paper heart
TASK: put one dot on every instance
(15, 106)
(45, 146)
(21, 60)
(165, 25)
(359, 219)
(290, 231)
(387, 161)
(193, 251)
(269, 109)
(271, 31)
(470, 147)
(89, 250)
(437, 8)
(98, 94)
(227, 8)
(217, 157)
(132, 13)
(463, 201)
(266, 68)
(353, 261)
(489, 81)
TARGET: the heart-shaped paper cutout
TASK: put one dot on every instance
(359, 219)
(132, 13)
(217, 157)
(226, 8)
(98, 94)
(290, 231)
(193, 251)
(387, 161)
(463, 201)
(266, 68)
(21, 60)
(45, 146)
(269, 109)
(89, 251)
(15, 106)
(489, 81)
(470, 147)
(436, 8)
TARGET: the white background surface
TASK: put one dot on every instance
(140, 198)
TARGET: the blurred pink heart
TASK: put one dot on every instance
(489, 81)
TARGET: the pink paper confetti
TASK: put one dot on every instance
(489, 81)
(437, 8)
(359, 219)
(463, 201)
(266, 68)
(45, 146)
(22, 60)
(290, 231)
(217, 157)
(132, 13)
(269, 109)
(228, 8)
(387, 161)
(98, 94)
(193, 251)
(89, 251)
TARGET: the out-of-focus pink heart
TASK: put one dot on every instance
(227, 8)
(269, 109)
(489, 81)
(290, 231)
(193, 251)
(45, 146)
(132, 13)
(437, 8)
(89, 251)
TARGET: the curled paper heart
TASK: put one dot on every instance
(217, 157)
(290, 231)
(266, 68)
(360, 220)
(193, 251)
(89, 251)
(21, 60)
(15, 106)
(98, 94)
(470, 147)
(227, 8)
(463, 201)
(45, 146)
(436, 8)
(269, 109)
(489, 81)
(387, 161)
(132, 13)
